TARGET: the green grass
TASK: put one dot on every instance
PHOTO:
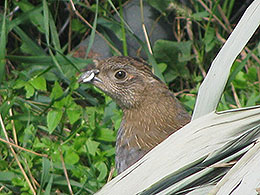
(44, 110)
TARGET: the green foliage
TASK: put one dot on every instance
(175, 55)
(51, 114)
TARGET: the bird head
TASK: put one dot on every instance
(125, 79)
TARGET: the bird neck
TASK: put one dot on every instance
(153, 120)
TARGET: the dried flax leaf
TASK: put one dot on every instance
(193, 142)
(244, 177)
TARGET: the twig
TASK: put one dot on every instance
(214, 16)
(65, 172)
(24, 149)
(190, 34)
(144, 28)
(253, 55)
(181, 92)
(179, 33)
(70, 29)
(2, 188)
(224, 18)
(30, 174)
(235, 96)
(138, 52)
(16, 157)
(64, 26)
(110, 174)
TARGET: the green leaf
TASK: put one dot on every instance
(253, 99)
(200, 15)
(39, 83)
(48, 188)
(19, 84)
(240, 81)
(71, 157)
(56, 91)
(46, 166)
(175, 55)
(92, 146)
(23, 17)
(53, 119)
(102, 168)
(168, 51)
(31, 45)
(73, 113)
(29, 134)
(210, 39)
(26, 48)
(251, 75)
(162, 67)
(77, 26)
(110, 152)
(111, 26)
(36, 19)
(29, 90)
(106, 135)
(91, 112)
(7, 176)
(236, 68)
(3, 165)
(161, 6)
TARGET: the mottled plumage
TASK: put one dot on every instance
(151, 112)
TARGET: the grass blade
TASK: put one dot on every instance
(3, 44)
(34, 48)
(46, 16)
(93, 31)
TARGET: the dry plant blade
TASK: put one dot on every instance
(190, 145)
(144, 28)
(244, 177)
(204, 173)
(65, 173)
(213, 85)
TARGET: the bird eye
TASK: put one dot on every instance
(120, 74)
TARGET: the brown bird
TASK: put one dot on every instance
(150, 111)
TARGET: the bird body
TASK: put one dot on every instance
(150, 111)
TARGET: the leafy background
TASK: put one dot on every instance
(73, 128)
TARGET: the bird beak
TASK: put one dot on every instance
(89, 76)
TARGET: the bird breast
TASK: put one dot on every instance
(143, 129)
